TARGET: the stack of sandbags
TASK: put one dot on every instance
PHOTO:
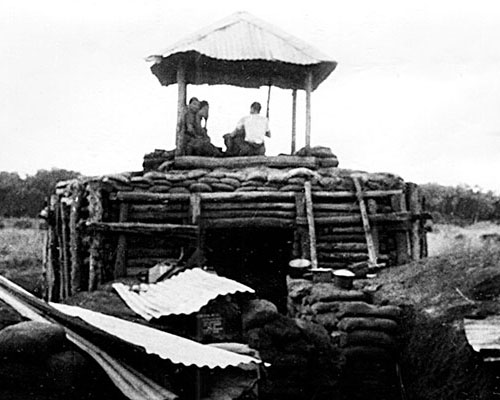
(248, 179)
(156, 158)
(324, 155)
(304, 361)
(35, 358)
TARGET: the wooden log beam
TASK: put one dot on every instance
(356, 219)
(346, 194)
(205, 197)
(53, 267)
(342, 238)
(249, 206)
(329, 207)
(283, 161)
(154, 252)
(351, 257)
(342, 247)
(207, 215)
(142, 228)
(260, 222)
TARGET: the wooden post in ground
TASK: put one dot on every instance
(294, 121)
(372, 254)
(309, 83)
(75, 242)
(52, 270)
(96, 213)
(401, 236)
(195, 214)
(371, 206)
(413, 199)
(120, 269)
(301, 243)
(310, 223)
(181, 106)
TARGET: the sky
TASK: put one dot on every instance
(416, 91)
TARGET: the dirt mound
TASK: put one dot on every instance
(436, 294)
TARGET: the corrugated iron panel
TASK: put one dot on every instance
(185, 293)
(177, 349)
(242, 36)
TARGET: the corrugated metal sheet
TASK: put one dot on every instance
(177, 349)
(185, 293)
(242, 36)
(245, 51)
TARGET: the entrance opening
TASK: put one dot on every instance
(257, 257)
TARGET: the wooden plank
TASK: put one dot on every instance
(120, 269)
(310, 224)
(372, 254)
(142, 228)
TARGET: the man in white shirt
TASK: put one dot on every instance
(248, 137)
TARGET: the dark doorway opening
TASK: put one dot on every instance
(257, 257)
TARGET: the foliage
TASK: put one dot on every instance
(460, 205)
(25, 197)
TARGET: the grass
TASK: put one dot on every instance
(21, 252)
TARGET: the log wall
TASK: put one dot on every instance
(116, 225)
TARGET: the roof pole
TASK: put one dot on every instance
(309, 80)
(294, 120)
(181, 105)
(268, 101)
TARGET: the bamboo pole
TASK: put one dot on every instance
(294, 121)
(309, 83)
(181, 106)
(310, 224)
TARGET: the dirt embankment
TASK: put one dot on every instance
(437, 293)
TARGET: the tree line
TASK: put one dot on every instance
(25, 197)
(461, 205)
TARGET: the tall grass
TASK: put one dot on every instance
(21, 252)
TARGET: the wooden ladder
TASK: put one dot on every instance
(372, 253)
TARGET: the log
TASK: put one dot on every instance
(287, 215)
(328, 230)
(155, 252)
(53, 277)
(347, 247)
(333, 264)
(356, 219)
(65, 250)
(346, 207)
(195, 162)
(346, 194)
(158, 216)
(401, 237)
(76, 240)
(259, 222)
(157, 208)
(342, 238)
(120, 269)
(143, 228)
(414, 205)
(372, 253)
(310, 224)
(249, 206)
(136, 197)
(338, 256)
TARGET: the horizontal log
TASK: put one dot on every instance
(352, 238)
(333, 264)
(249, 206)
(142, 208)
(289, 215)
(327, 230)
(366, 194)
(327, 256)
(155, 252)
(356, 219)
(157, 216)
(347, 247)
(259, 222)
(142, 228)
(192, 162)
(346, 207)
(220, 196)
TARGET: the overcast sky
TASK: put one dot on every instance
(416, 91)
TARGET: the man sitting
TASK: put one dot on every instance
(196, 139)
(248, 137)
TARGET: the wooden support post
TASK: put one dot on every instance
(52, 277)
(301, 245)
(372, 210)
(309, 84)
(310, 223)
(64, 249)
(372, 254)
(413, 200)
(96, 213)
(401, 237)
(195, 212)
(181, 106)
(120, 269)
(75, 239)
(294, 121)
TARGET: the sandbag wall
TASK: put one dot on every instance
(116, 225)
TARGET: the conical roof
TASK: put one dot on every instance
(242, 50)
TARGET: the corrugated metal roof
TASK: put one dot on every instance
(177, 349)
(243, 50)
(185, 293)
(242, 36)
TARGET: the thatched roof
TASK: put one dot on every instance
(242, 50)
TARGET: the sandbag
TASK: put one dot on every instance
(258, 312)
(31, 339)
(326, 292)
(370, 338)
(361, 309)
(199, 188)
(370, 323)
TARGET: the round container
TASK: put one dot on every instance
(343, 278)
(298, 267)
